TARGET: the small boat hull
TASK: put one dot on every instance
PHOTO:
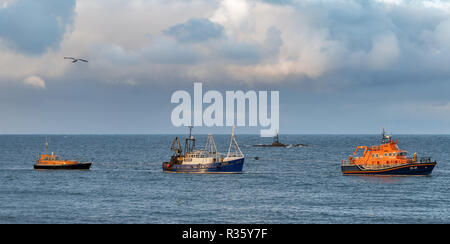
(230, 167)
(407, 169)
(79, 166)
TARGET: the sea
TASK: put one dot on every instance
(293, 185)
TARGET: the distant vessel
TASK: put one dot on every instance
(204, 161)
(276, 143)
(386, 159)
(51, 161)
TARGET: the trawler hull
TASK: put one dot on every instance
(230, 167)
(79, 166)
(407, 169)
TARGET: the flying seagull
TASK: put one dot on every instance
(76, 59)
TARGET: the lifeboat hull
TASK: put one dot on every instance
(79, 166)
(407, 169)
(230, 167)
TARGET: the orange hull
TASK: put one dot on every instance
(408, 169)
(384, 158)
(50, 161)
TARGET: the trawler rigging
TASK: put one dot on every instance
(207, 160)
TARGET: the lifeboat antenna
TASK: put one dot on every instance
(385, 138)
(233, 144)
(46, 145)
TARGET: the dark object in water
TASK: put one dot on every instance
(277, 143)
(256, 158)
(300, 145)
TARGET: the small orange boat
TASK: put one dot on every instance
(54, 162)
(386, 159)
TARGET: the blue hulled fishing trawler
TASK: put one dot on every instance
(204, 161)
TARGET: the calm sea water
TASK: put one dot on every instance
(286, 185)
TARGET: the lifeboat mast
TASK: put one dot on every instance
(385, 138)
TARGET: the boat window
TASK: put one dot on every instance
(385, 154)
(394, 154)
(390, 154)
(377, 155)
(373, 155)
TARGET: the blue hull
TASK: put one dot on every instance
(231, 167)
(409, 169)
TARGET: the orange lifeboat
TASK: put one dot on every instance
(52, 161)
(386, 159)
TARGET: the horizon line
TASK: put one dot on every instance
(256, 134)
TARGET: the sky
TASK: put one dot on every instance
(341, 66)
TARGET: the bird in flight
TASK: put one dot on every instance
(74, 60)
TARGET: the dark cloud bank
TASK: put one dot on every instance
(32, 27)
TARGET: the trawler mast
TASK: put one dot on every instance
(190, 142)
(234, 146)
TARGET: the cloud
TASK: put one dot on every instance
(385, 51)
(273, 42)
(232, 14)
(315, 44)
(335, 39)
(278, 1)
(5, 3)
(167, 51)
(32, 27)
(239, 53)
(195, 30)
(330, 54)
(117, 55)
(35, 82)
(441, 35)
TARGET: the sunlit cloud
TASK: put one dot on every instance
(35, 82)
(244, 41)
